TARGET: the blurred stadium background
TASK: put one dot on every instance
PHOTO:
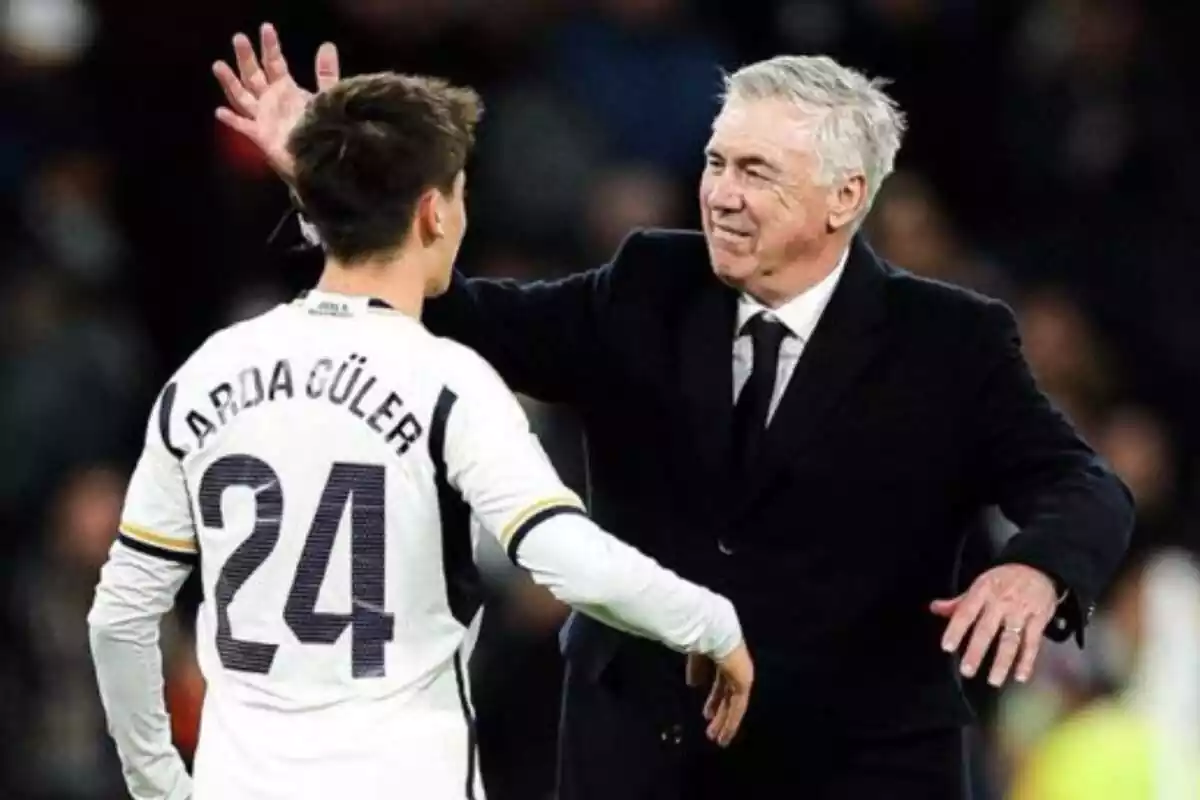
(1050, 160)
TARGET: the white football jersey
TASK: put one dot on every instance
(321, 463)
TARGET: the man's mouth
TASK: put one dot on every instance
(729, 234)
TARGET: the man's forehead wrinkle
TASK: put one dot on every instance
(779, 129)
(734, 146)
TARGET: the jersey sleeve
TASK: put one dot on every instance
(156, 519)
(494, 461)
(146, 568)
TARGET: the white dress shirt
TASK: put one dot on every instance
(799, 315)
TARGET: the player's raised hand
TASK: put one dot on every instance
(265, 102)
(730, 693)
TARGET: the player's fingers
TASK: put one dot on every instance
(238, 123)
(329, 70)
(715, 695)
(252, 75)
(274, 64)
(734, 710)
(240, 99)
(1011, 638)
(982, 636)
(737, 713)
(964, 617)
(1029, 648)
(719, 711)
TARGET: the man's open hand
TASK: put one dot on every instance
(1013, 601)
(730, 693)
(265, 102)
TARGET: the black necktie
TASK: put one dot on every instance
(753, 404)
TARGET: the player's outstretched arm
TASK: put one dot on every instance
(494, 460)
(146, 567)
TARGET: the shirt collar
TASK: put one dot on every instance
(335, 304)
(801, 314)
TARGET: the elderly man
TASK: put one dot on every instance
(777, 413)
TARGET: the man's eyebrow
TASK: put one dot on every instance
(742, 161)
(756, 161)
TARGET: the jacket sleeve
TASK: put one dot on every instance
(1074, 516)
(547, 339)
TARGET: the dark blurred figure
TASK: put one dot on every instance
(1067, 356)
(67, 754)
(1136, 443)
(909, 225)
(625, 198)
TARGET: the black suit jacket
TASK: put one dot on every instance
(910, 410)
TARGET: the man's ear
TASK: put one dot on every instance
(846, 202)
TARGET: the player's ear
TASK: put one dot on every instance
(431, 216)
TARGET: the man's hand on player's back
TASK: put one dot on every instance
(730, 693)
(265, 102)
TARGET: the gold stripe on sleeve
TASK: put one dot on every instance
(157, 539)
(529, 511)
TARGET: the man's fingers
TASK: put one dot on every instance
(253, 78)
(274, 64)
(240, 99)
(964, 617)
(1029, 649)
(945, 608)
(982, 636)
(1011, 639)
(236, 122)
(329, 71)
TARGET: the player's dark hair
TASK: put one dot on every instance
(369, 147)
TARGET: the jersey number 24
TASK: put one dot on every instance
(359, 485)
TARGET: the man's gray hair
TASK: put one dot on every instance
(856, 126)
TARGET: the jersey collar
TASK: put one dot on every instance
(334, 304)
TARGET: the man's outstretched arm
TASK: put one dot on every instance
(545, 339)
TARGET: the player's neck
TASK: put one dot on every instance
(402, 289)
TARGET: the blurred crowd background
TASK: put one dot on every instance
(1049, 163)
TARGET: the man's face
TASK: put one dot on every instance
(760, 204)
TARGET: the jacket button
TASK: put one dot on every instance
(724, 548)
(672, 735)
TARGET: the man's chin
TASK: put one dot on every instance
(731, 272)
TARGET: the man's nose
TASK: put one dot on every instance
(724, 196)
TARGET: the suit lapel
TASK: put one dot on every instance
(706, 371)
(845, 342)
